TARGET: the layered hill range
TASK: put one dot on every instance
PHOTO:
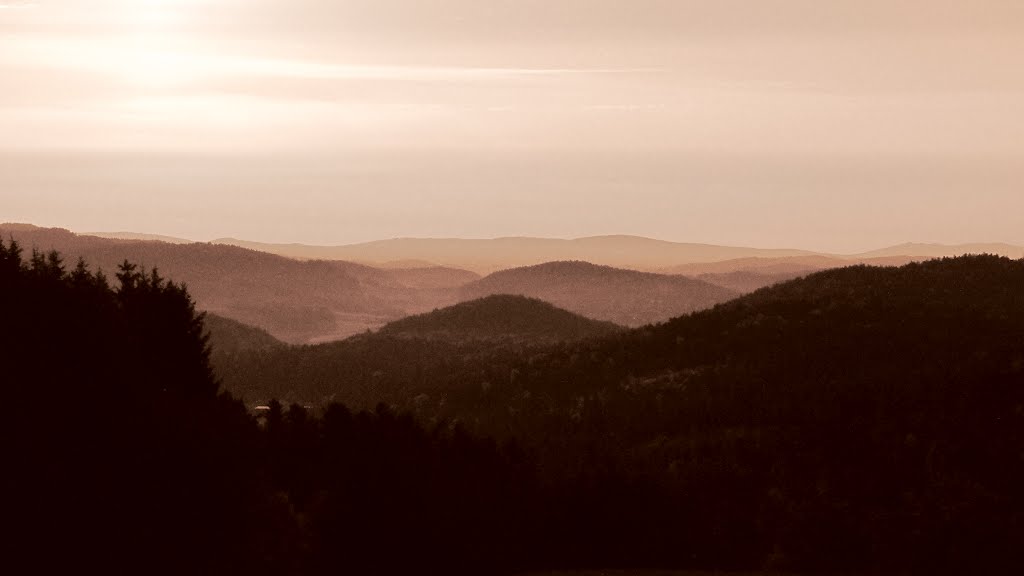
(295, 301)
(484, 256)
(779, 408)
(308, 294)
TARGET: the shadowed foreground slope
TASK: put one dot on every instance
(859, 418)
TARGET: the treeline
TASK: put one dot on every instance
(121, 452)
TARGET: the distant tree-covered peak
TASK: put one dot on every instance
(500, 317)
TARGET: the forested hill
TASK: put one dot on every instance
(500, 318)
(229, 336)
(851, 323)
(860, 417)
(625, 297)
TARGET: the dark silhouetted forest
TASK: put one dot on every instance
(121, 451)
(859, 419)
(124, 456)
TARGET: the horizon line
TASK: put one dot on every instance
(809, 251)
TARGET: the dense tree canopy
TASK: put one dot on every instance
(123, 453)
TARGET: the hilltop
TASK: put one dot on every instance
(229, 336)
(625, 297)
(139, 236)
(926, 250)
(746, 275)
(500, 318)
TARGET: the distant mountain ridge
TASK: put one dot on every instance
(745, 275)
(139, 236)
(299, 300)
(621, 251)
(625, 297)
(786, 265)
(295, 301)
(943, 250)
(486, 255)
(490, 255)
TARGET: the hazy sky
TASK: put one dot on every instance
(837, 125)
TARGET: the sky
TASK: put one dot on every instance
(841, 126)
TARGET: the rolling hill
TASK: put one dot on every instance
(139, 236)
(783, 265)
(867, 417)
(745, 275)
(295, 301)
(632, 252)
(486, 256)
(919, 319)
(229, 336)
(923, 250)
(746, 281)
(625, 297)
(500, 318)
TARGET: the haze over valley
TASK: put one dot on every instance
(298, 298)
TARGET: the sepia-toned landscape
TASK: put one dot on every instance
(512, 287)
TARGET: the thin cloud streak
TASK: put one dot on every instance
(125, 59)
(300, 69)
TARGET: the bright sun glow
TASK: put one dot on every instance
(156, 56)
(157, 14)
